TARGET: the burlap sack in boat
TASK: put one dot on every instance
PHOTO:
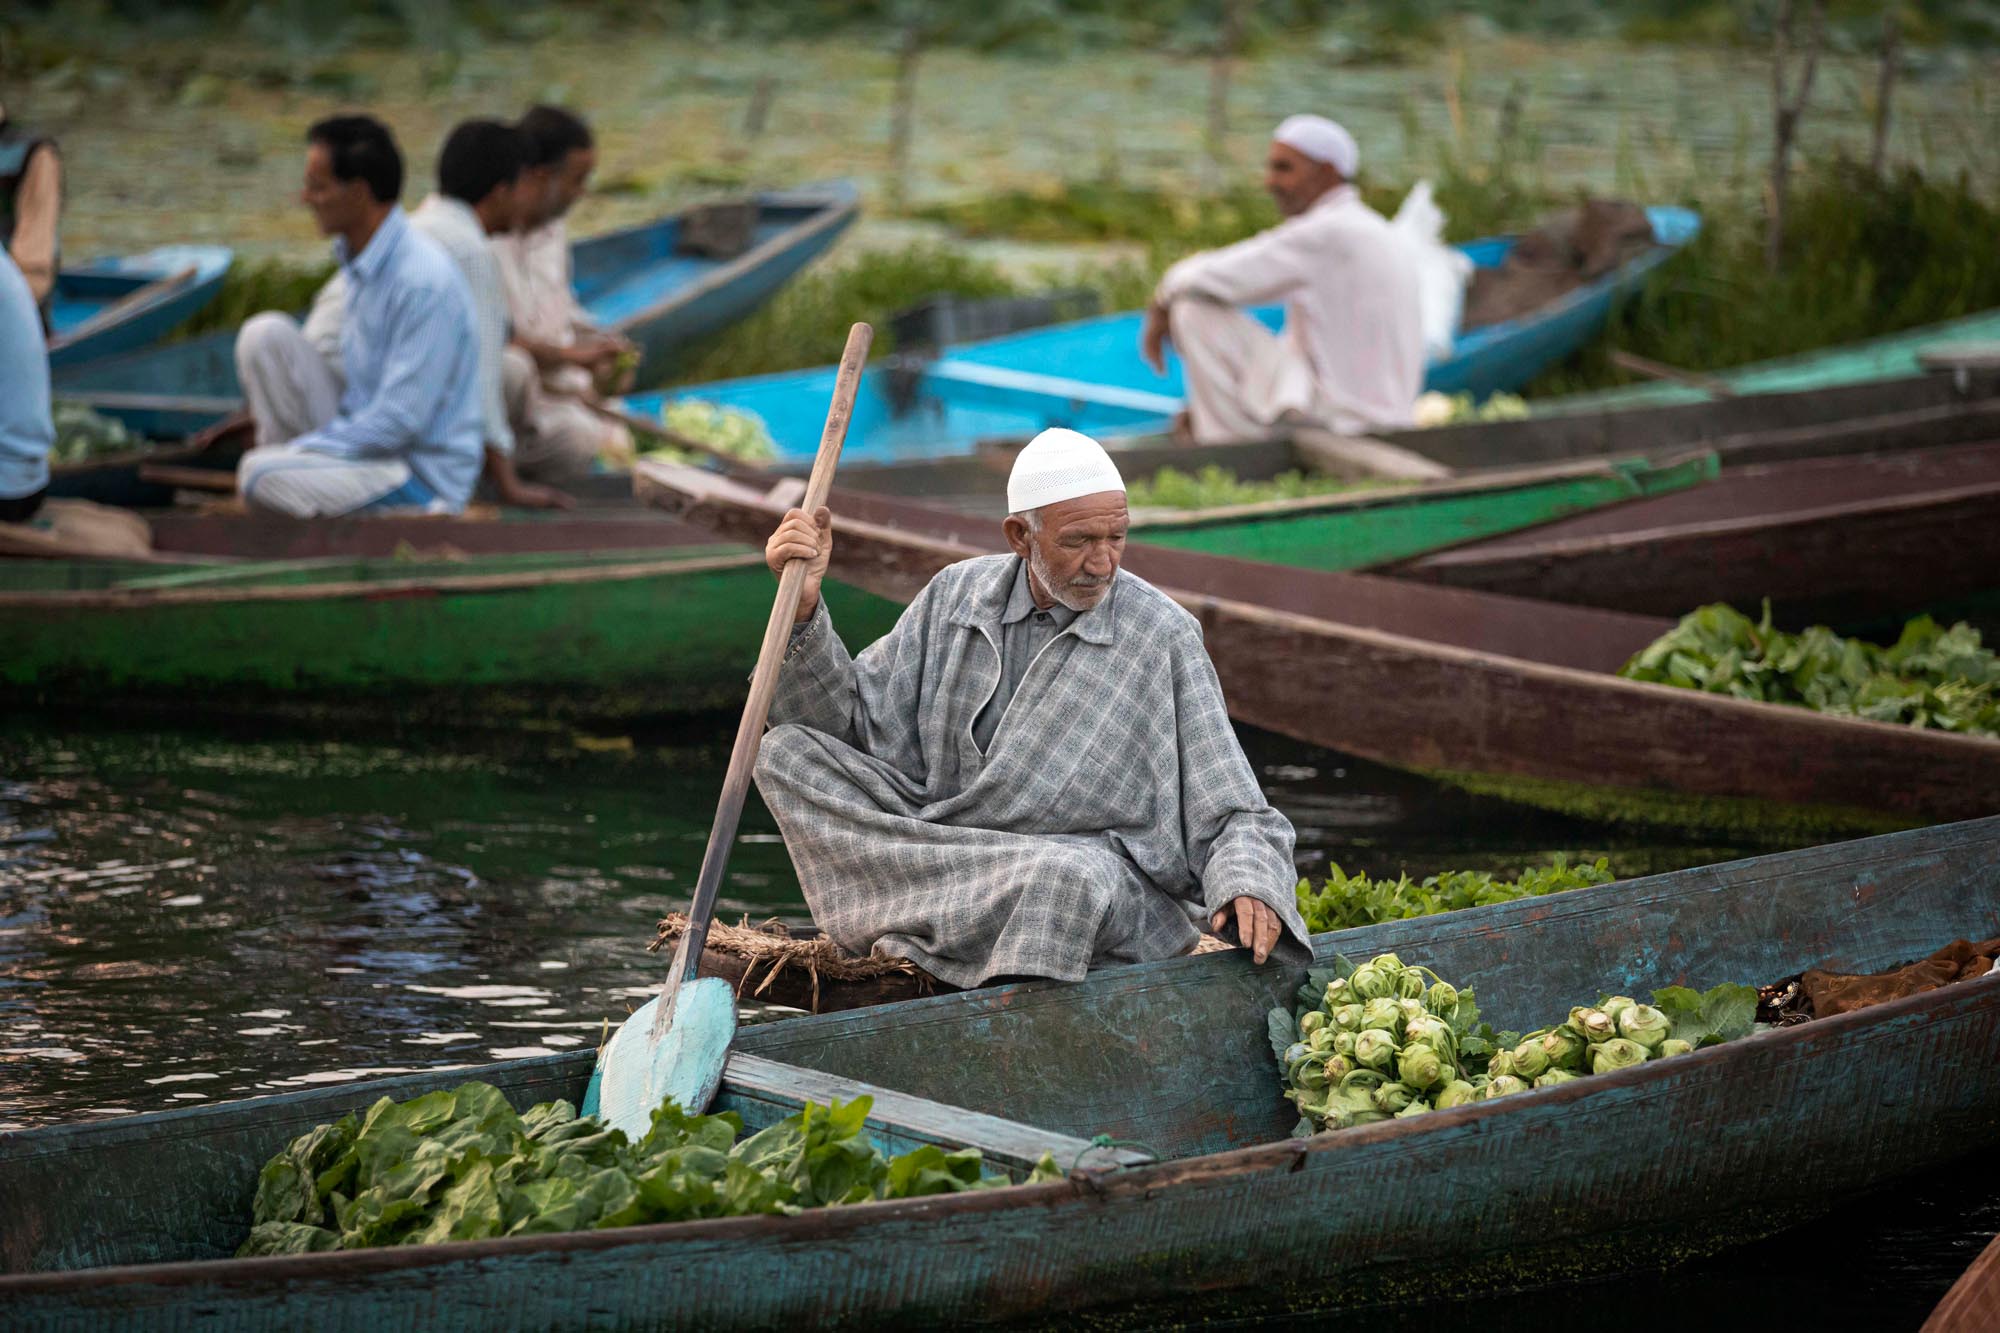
(1836, 993)
(78, 529)
(1557, 257)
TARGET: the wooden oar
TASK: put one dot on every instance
(1660, 370)
(675, 1045)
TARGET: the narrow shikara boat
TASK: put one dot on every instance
(1891, 356)
(1973, 1303)
(1833, 540)
(1498, 693)
(1089, 375)
(601, 636)
(125, 302)
(1342, 530)
(130, 1222)
(642, 282)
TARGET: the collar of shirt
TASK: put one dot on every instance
(1340, 196)
(441, 207)
(375, 255)
(1021, 601)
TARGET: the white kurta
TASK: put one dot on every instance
(1351, 356)
(556, 436)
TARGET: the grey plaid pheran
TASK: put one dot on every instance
(1113, 812)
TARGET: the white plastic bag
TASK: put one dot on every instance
(1442, 270)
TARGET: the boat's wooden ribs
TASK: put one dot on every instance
(765, 1091)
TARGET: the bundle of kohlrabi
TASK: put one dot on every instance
(1387, 1039)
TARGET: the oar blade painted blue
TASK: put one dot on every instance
(639, 1071)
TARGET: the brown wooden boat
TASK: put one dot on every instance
(1501, 692)
(1973, 1303)
(1837, 539)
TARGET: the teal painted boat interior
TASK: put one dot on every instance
(1088, 374)
(1893, 356)
(85, 291)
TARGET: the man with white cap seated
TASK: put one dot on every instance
(1034, 772)
(1351, 357)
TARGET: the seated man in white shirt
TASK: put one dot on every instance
(1351, 357)
(560, 362)
(403, 429)
(477, 196)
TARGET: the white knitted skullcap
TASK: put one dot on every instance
(1059, 465)
(1321, 140)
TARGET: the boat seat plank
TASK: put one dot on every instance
(1052, 386)
(764, 1091)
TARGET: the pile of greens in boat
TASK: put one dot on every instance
(1929, 677)
(462, 1165)
(1387, 1039)
(1345, 900)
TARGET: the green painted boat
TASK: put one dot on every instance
(1892, 356)
(1377, 525)
(130, 1222)
(602, 636)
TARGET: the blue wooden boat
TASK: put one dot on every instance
(636, 281)
(122, 303)
(1088, 374)
(130, 1222)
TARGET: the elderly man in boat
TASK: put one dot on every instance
(400, 427)
(1351, 357)
(560, 363)
(1034, 772)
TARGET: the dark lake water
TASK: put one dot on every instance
(191, 916)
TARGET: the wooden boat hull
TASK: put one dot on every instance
(1466, 685)
(131, 1219)
(1843, 541)
(633, 280)
(1973, 1303)
(596, 638)
(122, 304)
(1088, 374)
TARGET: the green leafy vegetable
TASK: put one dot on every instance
(1721, 1014)
(1430, 1051)
(1930, 677)
(1215, 487)
(460, 1164)
(1345, 900)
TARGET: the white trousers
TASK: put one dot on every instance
(291, 392)
(556, 437)
(1243, 381)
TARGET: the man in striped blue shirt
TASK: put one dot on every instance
(405, 432)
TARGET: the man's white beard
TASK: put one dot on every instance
(1070, 598)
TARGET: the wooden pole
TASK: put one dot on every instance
(909, 51)
(1885, 85)
(1787, 105)
(1228, 38)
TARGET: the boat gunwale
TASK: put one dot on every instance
(211, 265)
(107, 599)
(1498, 481)
(1082, 1188)
(1776, 522)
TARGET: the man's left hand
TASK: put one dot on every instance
(1258, 928)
